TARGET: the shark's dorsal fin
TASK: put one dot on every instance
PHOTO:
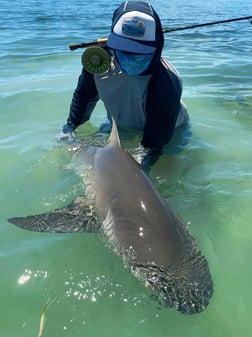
(114, 136)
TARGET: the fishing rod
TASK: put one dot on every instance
(102, 41)
(96, 59)
(209, 24)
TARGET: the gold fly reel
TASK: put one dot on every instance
(96, 60)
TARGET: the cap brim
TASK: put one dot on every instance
(132, 46)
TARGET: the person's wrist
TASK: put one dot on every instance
(68, 128)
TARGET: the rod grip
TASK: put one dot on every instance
(98, 42)
(74, 46)
(102, 40)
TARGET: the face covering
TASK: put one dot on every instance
(133, 64)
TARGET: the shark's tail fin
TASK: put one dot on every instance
(114, 136)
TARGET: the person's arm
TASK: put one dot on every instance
(84, 100)
(162, 107)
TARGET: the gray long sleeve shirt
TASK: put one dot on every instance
(140, 102)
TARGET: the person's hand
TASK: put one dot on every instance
(147, 157)
(67, 134)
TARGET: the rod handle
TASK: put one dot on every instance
(99, 42)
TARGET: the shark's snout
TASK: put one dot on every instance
(186, 286)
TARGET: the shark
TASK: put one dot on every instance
(138, 223)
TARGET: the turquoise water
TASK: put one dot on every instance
(209, 182)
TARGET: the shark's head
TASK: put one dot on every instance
(186, 286)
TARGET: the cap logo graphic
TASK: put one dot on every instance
(133, 26)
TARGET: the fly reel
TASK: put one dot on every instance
(96, 60)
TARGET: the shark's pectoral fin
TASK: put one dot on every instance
(76, 217)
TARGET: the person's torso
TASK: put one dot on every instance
(124, 96)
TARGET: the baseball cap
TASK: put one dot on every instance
(134, 32)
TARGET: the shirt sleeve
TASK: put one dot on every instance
(84, 99)
(162, 106)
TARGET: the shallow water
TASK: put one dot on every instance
(209, 181)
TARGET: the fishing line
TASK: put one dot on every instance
(96, 60)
